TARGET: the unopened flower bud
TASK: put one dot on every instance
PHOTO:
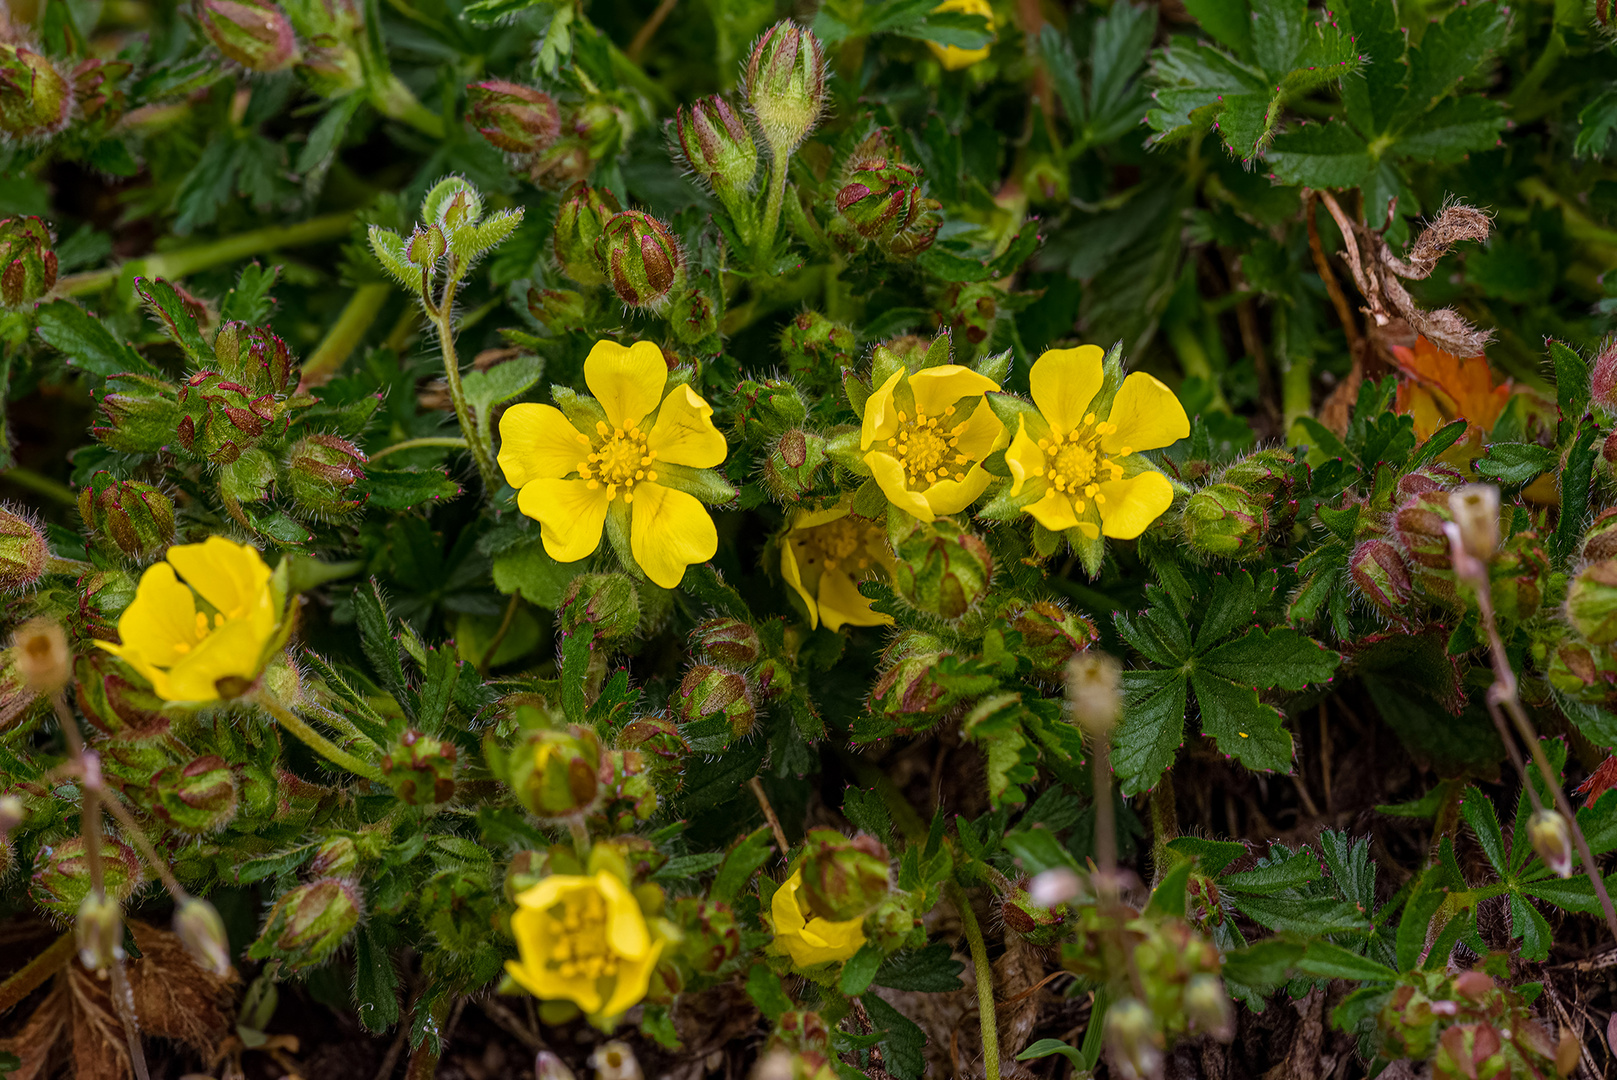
(98, 929)
(711, 937)
(1264, 472)
(1036, 923)
(942, 569)
(716, 144)
(1552, 840)
(906, 685)
(27, 263)
(642, 258)
(971, 309)
(557, 773)
(708, 691)
(199, 927)
(843, 877)
(769, 408)
(785, 84)
(136, 518)
(199, 797)
(615, 1060)
(34, 97)
(421, 769)
(426, 245)
(1227, 521)
(255, 34)
(792, 465)
(23, 550)
(817, 348)
(560, 309)
(1591, 602)
(1379, 572)
(43, 659)
(606, 605)
(336, 857)
(883, 201)
(517, 119)
(580, 220)
(547, 1066)
(1603, 377)
(142, 415)
(307, 924)
(693, 318)
(1131, 1036)
(1208, 1007)
(61, 878)
(1476, 511)
(1051, 635)
(662, 747)
(728, 641)
(322, 471)
(1094, 682)
(1600, 538)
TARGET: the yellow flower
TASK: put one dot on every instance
(825, 555)
(583, 939)
(951, 56)
(925, 435)
(811, 941)
(207, 651)
(1081, 470)
(635, 457)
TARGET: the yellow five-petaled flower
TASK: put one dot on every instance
(824, 556)
(584, 939)
(810, 941)
(631, 453)
(1081, 469)
(925, 435)
(207, 651)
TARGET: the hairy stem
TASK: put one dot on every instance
(30, 480)
(1164, 825)
(481, 452)
(780, 158)
(987, 1018)
(421, 444)
(315, 741)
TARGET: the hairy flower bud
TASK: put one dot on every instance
(785, 84)
(728, 641)
(255, 34)
(421, 769)
(970, 310)
(98, 929)
(843, 877)
(307, 924)
(905, 685)
(560, 309)
(61, 878)
(883, 201)
(816, 348)
(709, 692)
(1419, 528)
(142, 414)
(514, 118)
(202, 931)
(1264, 472)
(23, 550)
(661, 745)
(199, 797)
(135, 518)
(715, 142)
(768, 408)
(1227, 521)
(34, 97)
(711, 937)
(642, 259)
(1051, 635)
(321, 472)
(336, 857)
(1600, 538)
(942, 569)
(693, 317)
(793, 463)
(557, 773)
(1591, 602)
(1552, 840)
(580, 220)
(1379, 572)
(27, 262)
(1038, 923)
(1603, 377)
(606, 605)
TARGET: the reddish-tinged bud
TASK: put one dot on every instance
(256, 35)
(61, 878)
(693, 318)
(1226, 520)
(793, 463)
(1380, 574)
(605, 605)
(142, 416)
(307, 924)
(336, 857)
(662, 748)
(197, 798)
(514, 118)
(971, 309)
(1434, 477)
(133, 517)
(1419, 527)
(421, 769)
(34, 97)
(642, 259)
(942, 569)
(23, 550)
(322, 471)
(785, 83)
(557, 773)
(1603, 377)
(726, 641)
(709, 692)
(580, 221)
(717, 145)
(817, 348)
(843, 877)
(1051, 635)
(1591, 602)
(905, 685)
(711, 937)
(27, 262)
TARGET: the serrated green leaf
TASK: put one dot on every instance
(1280, 658)
(1243, 727)
(1330, 155)
(86, 341)
(1152, 729)
(1516, 463)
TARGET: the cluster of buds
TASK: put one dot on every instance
(421, 769)
(1467, 1025)
(35, 100)
(132, 517)
(772, 419)
(1233, 518)
(555, 148)
(882, 201)
(942, 569)
(27, 260)
(816, 349)
(255, 34)
(719, 698)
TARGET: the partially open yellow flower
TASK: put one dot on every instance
(205, 651)
(951, 56)
(584, 939)
(632, 452)
(925, 436)
(1081, 469)
(811, 941)
(825, 555)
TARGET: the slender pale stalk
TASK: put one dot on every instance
(780, 158)
(345, 334)
(442, 319)
(421, 444)
(40, 485)
(987, 1018)
(315, 741)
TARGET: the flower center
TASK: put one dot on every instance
(619, 459)
(204, 627)
(1073, 462)
(576, 929)
(843, 544)
(927, 449)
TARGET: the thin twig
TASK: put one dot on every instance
(25, 981)
(649, 30)
(507, 1020)
(499, 635)
(769, 816)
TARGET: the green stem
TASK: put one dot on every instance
(41, 485)
(24, 982)
(779, 160)
(394, 100)
(177, 264)
(418, 444)
(481, 452)
(987, 1019)
(315, 741)
(346, 333)
(1164, 825)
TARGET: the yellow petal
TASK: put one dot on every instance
(668, 531)
(889, 476)
(634, 979)
(1147, 415)
(834, 940)
(537, 443)
(784, 910)
(1133, 503)
(954, 58)
(842, 604)
(1064, 382)
(1024, 458)
(952, 496)
(135, 659)
(1054, 511)
(160, 624)
(793, 574)
(684, 433)
(570, 515)
(881, 415)
(234, 650)
(232, 577)
(547, 891)
(626, 926)
(937, 388)
(628, 382)
(981, 434)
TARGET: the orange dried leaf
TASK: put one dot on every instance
(1437, 388)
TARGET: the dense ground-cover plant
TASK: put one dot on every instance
(873, 539)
